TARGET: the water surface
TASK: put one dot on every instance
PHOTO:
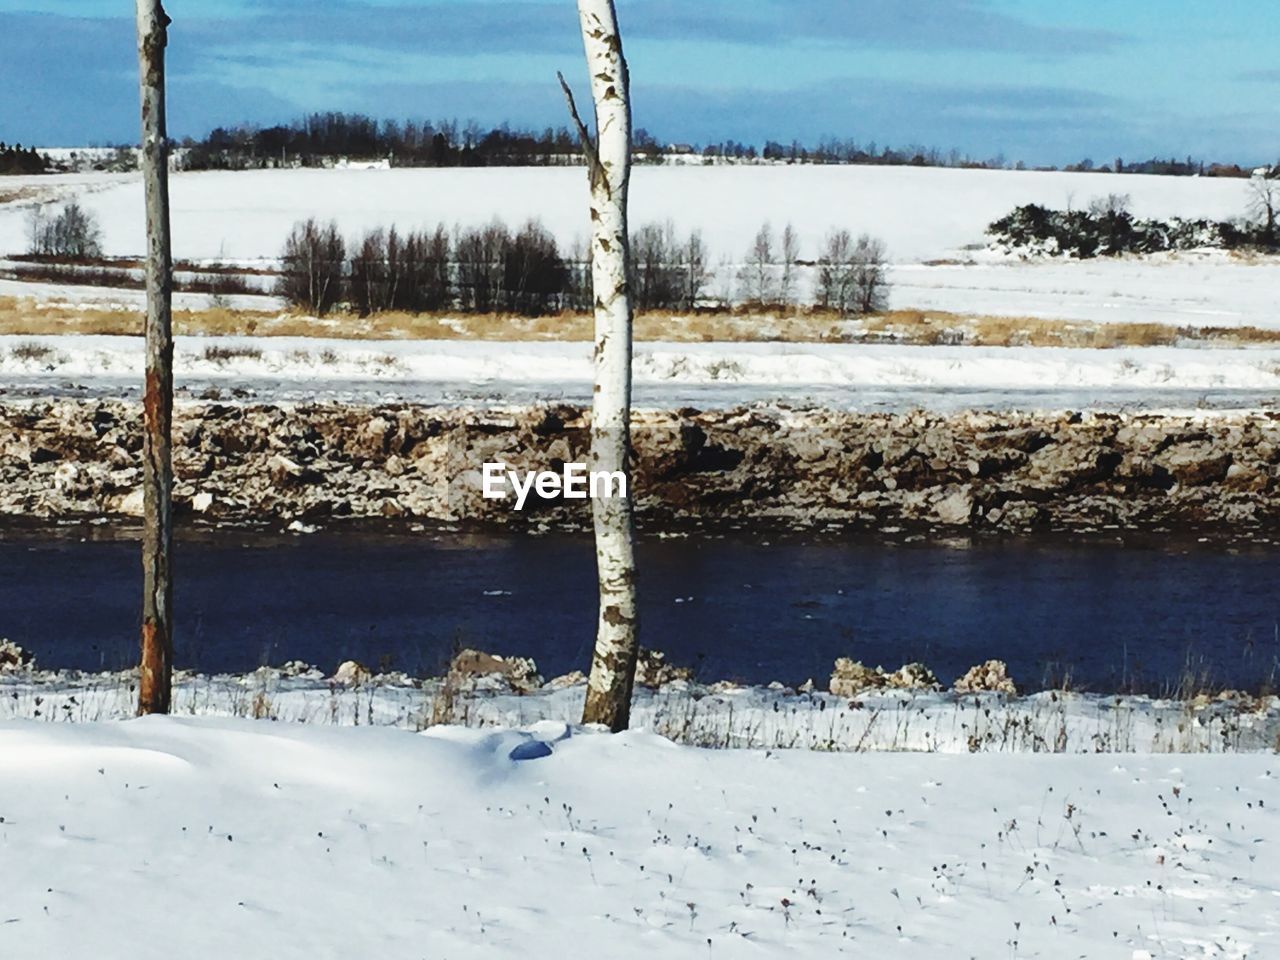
(1111, 617)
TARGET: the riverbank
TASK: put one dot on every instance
(721, 715)
(304, 466)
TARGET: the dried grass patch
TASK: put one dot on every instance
(916, 327)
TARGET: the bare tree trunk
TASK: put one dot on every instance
(155, 684)
(613, 666)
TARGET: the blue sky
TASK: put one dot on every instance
(1047, 82)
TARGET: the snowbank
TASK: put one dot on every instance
(720, 715)
(230, 838)
(665, 373)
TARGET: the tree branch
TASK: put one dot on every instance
(588, 145)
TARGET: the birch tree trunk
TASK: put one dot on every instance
(613, 665)
(155, 684)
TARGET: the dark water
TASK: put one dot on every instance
(1113, 617)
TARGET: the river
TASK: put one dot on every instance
(1109, 617)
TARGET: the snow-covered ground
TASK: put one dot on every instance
(1201, 289)
(119, 298)
(18, 193)
(846, 375)
(219, 838)
(921, 214)
(930, 220)
(1197, 289)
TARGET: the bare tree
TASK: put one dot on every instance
(578, 284)
(156, 674)
(788, 281)
(73, 234)
(38, 232)
(1264, 205)
(613, 665)
(312, 266)
(756, 276)
(534, 275)
(694, 273)
(1112, 205)
(835, 281)
(870, 283)
(374, 274)
(726, 290)
(76, 233)
(852, 276)
(656, 276)
(424, 282)
(481, 254)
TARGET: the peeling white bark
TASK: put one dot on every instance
(614, 662)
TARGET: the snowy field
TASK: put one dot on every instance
(304, 841)
(921, 214)
(82, 297)
(1196, 289)
(854, 376)
(931, 220)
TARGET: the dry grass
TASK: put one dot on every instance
(26, 317)
(915, 326)
(19, 194)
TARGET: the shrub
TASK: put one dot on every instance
(1108, 229)
(30, 351)
(222, 354)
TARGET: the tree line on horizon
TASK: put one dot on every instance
(16, 159)
(319, 138)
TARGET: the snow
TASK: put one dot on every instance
(220, 838)
(1198, 289)
(921, 214)
(41, 294)
(1208, 289)
(17, 193)
(707, 715)
(850, 375)
(930, 219)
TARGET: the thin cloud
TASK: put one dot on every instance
(886, 24)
